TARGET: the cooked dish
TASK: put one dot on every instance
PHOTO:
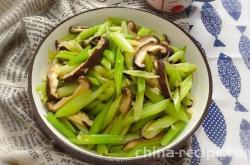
(117, 88)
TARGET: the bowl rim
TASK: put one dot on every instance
(88, 158)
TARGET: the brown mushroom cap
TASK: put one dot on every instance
(94, 41)
(127, 98)
(59, 46)
(146, 40)
(163, 79)
(154, 49)
(77, 29)
(52, 83)
(93, 60)
(132, 29)
(165, 40)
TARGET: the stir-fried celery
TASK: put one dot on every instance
(118, 88)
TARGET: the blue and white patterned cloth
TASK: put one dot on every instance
(224, 137)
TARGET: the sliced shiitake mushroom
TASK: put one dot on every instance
(131, 144)
(151, 48)
(77, 29)
(52, 83)
(81, 118)
(165, 40)
(127, 98)
(132, 29)
(163, 79)
(94, 41)
(71, 45)
(93, 60)
(146, 40)
(153, 82)
(59, 46)
(84, 85)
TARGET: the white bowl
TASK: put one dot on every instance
(202, 84)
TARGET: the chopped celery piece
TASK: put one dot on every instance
(176, 56)
(119, 62)
(121, 42)
(59, 126)
(143, 31)
(108, 54)
(80, 101)
(172, 133)
(68, 55)
(97, 139)
(88, 33)
(83, 56)
(139, 73)
(66, 90)
(139, 98)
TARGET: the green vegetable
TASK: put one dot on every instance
(185, 87)
(108, 54)
(94, 81)
(119, 62)
(120, 41)
(144, 148)
(60, 126)
(41, 90)
(97, 139)
(106, 63)
(149, 111)
(173, 75)
(124, 28)
(177, 100)
(181, 115)
(107, 94)
(139, 73)
(62, 70)
(129, 57)
(176, 56)
(139, 98)
(83, 56)
(67, 90)
(115, 20)
(77, 103)
(116, 128)
(51, 55)
(115, 28)
(96, 109)
(185, 68)
(102, 149)
(149, 63)
(68, 125)
(172, 133)
(138, 125)
(68, 55)
(143, 31)
(118, 110)
(88, 33)
(153, 128)
(111, 111)
(153, 95)
(69, 37)
(97, 124)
